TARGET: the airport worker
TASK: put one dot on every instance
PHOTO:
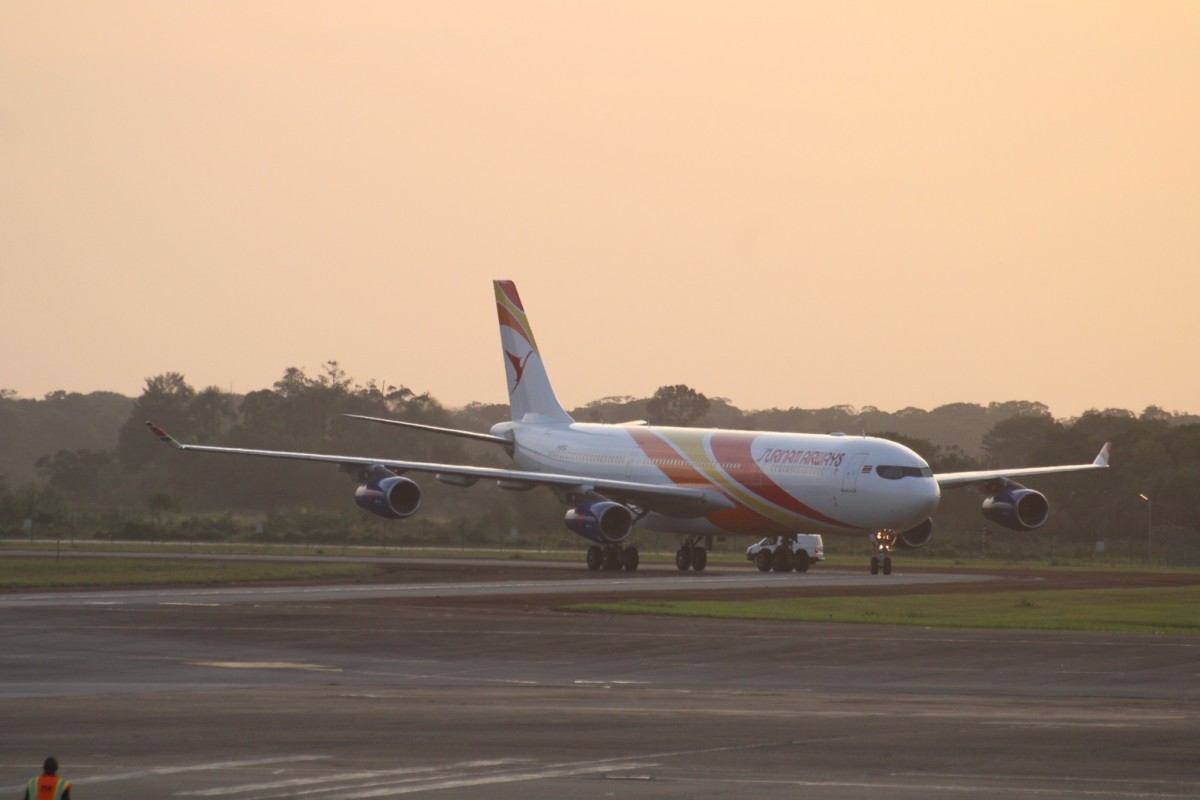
(48, 786)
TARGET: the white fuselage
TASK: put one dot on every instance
(775, 482)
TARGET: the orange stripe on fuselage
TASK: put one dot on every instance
(681, 472)
(737, 474)
(734, 448)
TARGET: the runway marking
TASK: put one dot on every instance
(459, 782)
(206, 767)
(611, 683)
(413, 782)
(345, 776)
(449, 776)
(264, 665)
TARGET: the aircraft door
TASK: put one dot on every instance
(853, 470)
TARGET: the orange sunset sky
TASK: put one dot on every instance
(781, 203)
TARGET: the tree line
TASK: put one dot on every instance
(86, 465)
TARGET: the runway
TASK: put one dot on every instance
(348, 695)
(510, 579)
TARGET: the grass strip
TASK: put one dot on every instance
(52, 573)
(1155, 610)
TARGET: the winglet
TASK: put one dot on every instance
(1105, 453)
(163, 435)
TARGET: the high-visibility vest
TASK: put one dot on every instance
(48, 787)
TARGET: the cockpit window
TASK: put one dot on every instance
(896, 473)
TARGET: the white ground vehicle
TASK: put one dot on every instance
(785, 553)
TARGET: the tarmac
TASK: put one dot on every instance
(251, 694)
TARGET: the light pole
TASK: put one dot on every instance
(1149, 524)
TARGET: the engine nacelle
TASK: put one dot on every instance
(1017, 508)
(916, 537)
(603, 523)
(394, 497)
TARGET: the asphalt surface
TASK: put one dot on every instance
(253, 694)
(496, 579)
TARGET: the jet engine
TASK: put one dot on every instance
(604, 522)
(393, 497)
(1017, 508)
(916, 537)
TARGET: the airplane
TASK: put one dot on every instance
(698, 484)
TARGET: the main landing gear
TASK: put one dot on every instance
(691, 555)
(885, 544)
(612, 557)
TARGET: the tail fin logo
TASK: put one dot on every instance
(518, 365)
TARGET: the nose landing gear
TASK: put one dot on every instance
(884, 543)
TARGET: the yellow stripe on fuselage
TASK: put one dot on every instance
(692, 445)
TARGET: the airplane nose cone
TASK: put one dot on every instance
(921, 500)
(910, 502)
(931, 497)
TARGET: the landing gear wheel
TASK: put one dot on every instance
(885, 542)
(630, 559)
(594, 556)
(699, 558)
(683, 559)
(783, 559)
(802, 561)
(762, 560)
(611, 559)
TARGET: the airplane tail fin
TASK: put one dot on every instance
(531, 396)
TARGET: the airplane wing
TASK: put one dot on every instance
(479, 437)
(948, 480)
(677, 501)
